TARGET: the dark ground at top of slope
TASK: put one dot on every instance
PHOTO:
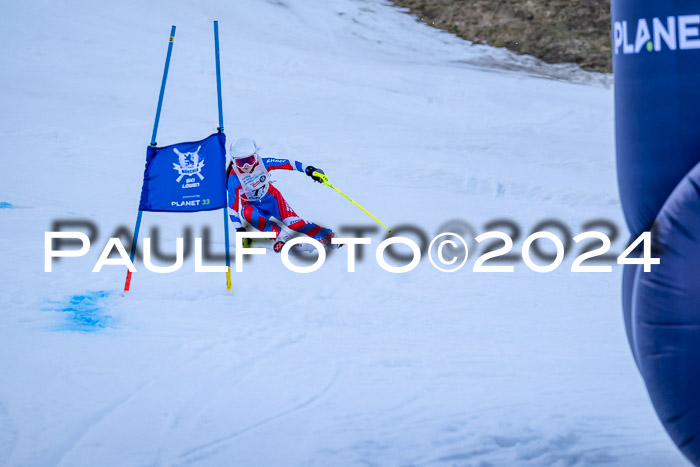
(555, 31)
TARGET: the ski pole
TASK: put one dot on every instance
(324, 177)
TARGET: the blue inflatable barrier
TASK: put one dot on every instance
(656, 60)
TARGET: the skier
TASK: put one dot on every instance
(253, 198)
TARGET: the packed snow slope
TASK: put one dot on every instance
(328, 368)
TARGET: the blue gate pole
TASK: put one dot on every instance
(218, 75)
(221, 129)
(162, 85)
(127, 283)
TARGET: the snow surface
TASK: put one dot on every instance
(329, 368)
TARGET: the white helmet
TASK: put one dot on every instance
(244, 154)
(243, 147)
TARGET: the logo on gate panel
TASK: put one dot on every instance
(189, 164)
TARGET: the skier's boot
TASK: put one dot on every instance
(326, 241)
(247, 242)
(282, 238)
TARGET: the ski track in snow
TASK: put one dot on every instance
(150, 389)
(202, 452)
(330, 368)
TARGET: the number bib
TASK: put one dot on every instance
(254, 184)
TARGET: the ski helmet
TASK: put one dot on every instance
(244, 154)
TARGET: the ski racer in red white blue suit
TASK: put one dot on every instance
(254, 199)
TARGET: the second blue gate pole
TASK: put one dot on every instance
(221, 130)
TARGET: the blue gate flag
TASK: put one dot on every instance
(185, 177)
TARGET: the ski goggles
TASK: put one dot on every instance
(245, 162)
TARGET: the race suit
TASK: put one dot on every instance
(253, 198)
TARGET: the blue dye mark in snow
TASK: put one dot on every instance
(6, 205)
(85, 312)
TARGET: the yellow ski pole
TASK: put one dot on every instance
(324, 177)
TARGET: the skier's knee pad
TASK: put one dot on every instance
(657, 113)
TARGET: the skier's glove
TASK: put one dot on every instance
(310, 172)
(247, 242)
